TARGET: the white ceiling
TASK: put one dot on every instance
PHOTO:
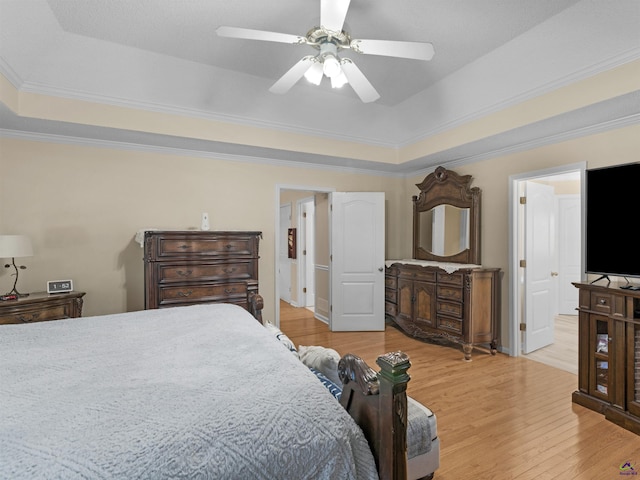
(164, 56)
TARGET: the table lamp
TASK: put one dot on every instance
(15, 246)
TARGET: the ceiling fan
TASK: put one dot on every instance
(329, 39)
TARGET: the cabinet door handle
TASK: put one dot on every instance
(185, 294)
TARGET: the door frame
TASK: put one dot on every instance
(288, 206)
(276, 254)
(515, 300)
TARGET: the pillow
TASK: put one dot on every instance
(335, 390)
(324, 360)
(282, 338)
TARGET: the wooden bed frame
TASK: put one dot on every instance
(377, 401)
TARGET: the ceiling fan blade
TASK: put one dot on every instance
(250, 34)
(359, 82)
(333, 13)
(391, 48)
(294, 74)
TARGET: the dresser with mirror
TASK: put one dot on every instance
(444, 293)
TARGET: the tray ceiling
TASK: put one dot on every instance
(164, 56)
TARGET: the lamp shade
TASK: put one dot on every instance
(12, 246)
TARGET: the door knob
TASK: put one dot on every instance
(380, 269)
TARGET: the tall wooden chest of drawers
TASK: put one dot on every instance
(191, 267)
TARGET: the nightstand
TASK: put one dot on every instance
(41, 307)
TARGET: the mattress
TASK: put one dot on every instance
(187, 392)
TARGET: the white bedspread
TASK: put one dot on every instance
(157, 394)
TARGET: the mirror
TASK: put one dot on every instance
(444, 230)
(447, 219)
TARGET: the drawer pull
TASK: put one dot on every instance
(602, 301)
(27, 319)
(184, 247)
(229, 291)
(229, 270)
(185, 294)
(183, 273)
(229, 246)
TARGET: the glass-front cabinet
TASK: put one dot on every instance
(599, 381)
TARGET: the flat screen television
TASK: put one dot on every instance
(612, 219)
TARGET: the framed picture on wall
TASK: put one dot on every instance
(291, 243)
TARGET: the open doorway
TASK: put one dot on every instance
(546, 256)
(305, 275)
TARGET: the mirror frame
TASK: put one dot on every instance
(447, 187)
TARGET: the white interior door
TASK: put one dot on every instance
(284, 262)
(357, 261)
(539, 254)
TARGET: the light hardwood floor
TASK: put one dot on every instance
(563, 352)
(499, 417)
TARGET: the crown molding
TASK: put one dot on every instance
(197, 153)
(629, 56)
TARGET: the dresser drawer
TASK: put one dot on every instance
(37, 315)
(390, 295)
(205, 247)
(390, 282)
(202, 293)
(422, 275)
(601, 302)
(452, 325)
(450, 308)
(390, 308)
(168, 273)
(451, 278)
(449, 292)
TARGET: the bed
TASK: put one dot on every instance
(188, 392)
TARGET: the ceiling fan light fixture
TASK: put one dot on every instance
(314, 73)
(331, 66)
(338, 81)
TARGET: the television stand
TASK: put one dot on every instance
(609, 353)
(601, 277)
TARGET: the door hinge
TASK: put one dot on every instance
(523, 263)
(523, 327)
(304, 214)
(304, 252)
(523, 200)
(331, 258)
(304, 289)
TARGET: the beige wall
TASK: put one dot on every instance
(82, 206)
